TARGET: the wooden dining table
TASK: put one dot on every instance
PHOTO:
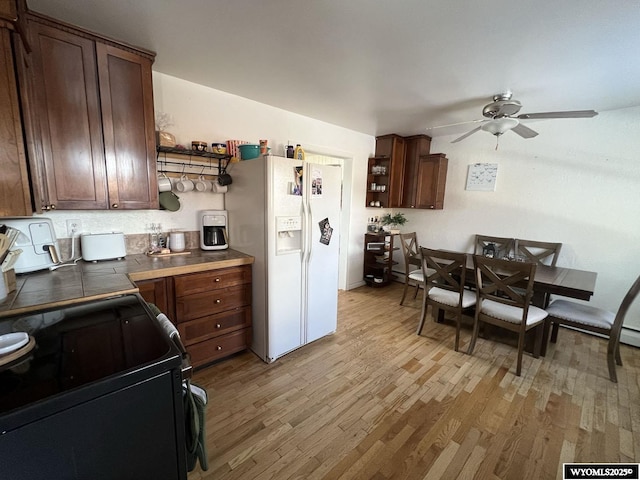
(563, 281)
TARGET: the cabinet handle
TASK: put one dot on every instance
(217, 279)
(115, 205)
(218, 325)
(218, 300)
(431, 206)
(218, 347)
(52, 206)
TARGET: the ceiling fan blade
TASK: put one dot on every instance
(524, 132)
(468, 134)
(456, 124)
(570, 114)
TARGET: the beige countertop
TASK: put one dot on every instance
(92, 281)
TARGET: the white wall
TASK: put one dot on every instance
(577, 183)
(202, 113)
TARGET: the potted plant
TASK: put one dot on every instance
(392, 222)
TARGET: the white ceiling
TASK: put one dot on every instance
(385, 66)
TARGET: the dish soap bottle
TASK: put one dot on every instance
(299, 153)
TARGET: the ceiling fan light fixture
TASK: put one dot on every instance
(500, 125)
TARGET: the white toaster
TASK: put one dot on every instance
(102, 246)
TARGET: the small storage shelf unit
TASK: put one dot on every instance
(378, 259)
(378, 174)
(206, 163)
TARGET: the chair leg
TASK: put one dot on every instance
(613, 351)
(545, 336)
(520, 351)
(415, 294)
(455, 347)
(404, 292)
(554, 332)
(474, 335)
(423, 314)
(537, 346)
(618, 357)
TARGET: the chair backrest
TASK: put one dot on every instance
(503, 246)
(443, 269)
(410, 249)
(542, 253)
(504, 281)
(628, 299)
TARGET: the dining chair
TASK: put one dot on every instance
(503, 298)
(542, 253)
(593, 319)
(499, 247)
(409, 244)
(444, 280)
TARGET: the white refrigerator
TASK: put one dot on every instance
(286, 213)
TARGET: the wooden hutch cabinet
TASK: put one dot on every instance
(413, 177)
(89, 120)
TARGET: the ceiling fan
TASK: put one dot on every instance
(500, 118)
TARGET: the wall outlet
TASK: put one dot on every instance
(74, 227)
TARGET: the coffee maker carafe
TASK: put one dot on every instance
(213, 230)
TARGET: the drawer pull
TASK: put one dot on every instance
(217, 279)
(219, 347)
(218, 325)
(218, 300)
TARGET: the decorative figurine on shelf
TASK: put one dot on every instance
(163, 138)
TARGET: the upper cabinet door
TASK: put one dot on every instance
(126, 98)
(432, 177)
(392, 147)
(67, 112)
(14, 182)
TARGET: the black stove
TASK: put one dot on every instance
(101, 385)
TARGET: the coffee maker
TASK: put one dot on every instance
(213, 229)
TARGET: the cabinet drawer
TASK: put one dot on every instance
(211, 326)
(207, 281)
(219, 347)
(203, 304)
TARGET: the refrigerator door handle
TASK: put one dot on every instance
(309, 234)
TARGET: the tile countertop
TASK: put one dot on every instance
(93, 281)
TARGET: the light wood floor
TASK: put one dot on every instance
(376, 401)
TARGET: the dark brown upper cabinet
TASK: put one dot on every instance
(431, 178)
(15, 198)
(392, 147)
(416, 178)
(89, 120)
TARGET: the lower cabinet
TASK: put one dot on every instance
(155, 291)
(212, 310)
